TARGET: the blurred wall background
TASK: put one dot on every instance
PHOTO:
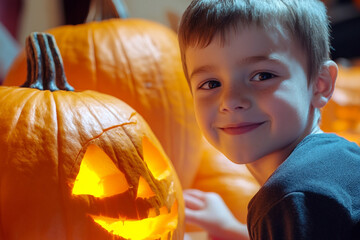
(18, 18)
(22, 17)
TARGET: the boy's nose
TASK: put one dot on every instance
(234, 100)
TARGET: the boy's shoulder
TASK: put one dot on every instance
(315, 153)
(326, 139)
(319, 158)
(322, 165)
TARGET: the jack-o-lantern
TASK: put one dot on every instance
(80, 165)
(137, 61)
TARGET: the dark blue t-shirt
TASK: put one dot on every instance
(314, 194)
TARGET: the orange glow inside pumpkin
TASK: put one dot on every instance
(144, 190)
(155, 160)
(99, 176)
(158, 227)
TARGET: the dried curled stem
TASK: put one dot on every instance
(44, 64)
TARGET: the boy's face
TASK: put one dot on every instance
(251, 95)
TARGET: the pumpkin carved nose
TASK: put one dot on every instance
(144, 190)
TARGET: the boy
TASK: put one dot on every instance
(259, 72)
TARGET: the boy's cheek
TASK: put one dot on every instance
(205, 121)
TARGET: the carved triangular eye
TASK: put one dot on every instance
(144, 190)
(98, 175)
(155, 160)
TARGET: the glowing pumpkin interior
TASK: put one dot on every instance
(99, 177)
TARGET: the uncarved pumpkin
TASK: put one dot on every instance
(80, 165)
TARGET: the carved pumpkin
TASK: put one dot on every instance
(80, 165)
(139, 62)
(342, 114)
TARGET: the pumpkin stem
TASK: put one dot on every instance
(44, 64)
(106, 9)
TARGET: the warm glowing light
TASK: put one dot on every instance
(150, 228)
(144, 190)
(155, 160)
(98, 175)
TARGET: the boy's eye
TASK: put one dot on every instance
(210, 84)
(263, 76)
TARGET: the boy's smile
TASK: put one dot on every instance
(240, 128)
(251, 94)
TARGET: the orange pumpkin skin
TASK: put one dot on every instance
(43, 138)
(139, 62)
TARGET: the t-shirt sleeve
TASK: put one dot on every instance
(302, 216)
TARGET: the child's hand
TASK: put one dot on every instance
(209, 211)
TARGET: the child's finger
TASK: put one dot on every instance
(192, 216)
(195, 193)
(193, 202)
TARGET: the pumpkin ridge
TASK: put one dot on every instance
(95, 137)
(29, 101)
(86, 105)
(95, 71)
(141, 155)
(95, 54)
(128, 135)
(159, 190)
(19, 112)
(105, 106)
(61, 177)
(130, 73)
(111, 28)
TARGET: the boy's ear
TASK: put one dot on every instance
(324, 84)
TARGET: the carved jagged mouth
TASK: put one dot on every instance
(157, 227)
(111, 204)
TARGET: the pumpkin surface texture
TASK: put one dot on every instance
(139, 62)
(80, 165)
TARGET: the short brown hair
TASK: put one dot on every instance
(306, 20)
